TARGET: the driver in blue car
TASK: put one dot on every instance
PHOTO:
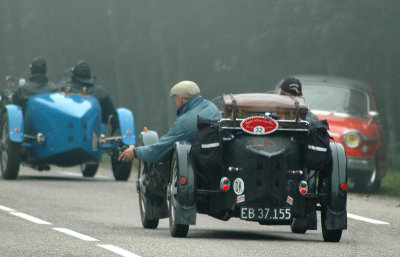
(190, 105)
(37, 83)
(81, 78)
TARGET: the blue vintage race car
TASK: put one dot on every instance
(63, 129)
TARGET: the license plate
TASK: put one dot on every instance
(258, 213)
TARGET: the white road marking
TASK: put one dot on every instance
(80, 175)
(75, 234)
(72, 174)
(112, 248)
(5, 208)
(30, 218)
(119, 251)
(353, 216)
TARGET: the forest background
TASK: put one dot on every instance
(139, 49)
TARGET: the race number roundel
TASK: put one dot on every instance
(259, 125)
(238, 186)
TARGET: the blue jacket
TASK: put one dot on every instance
(184, 128)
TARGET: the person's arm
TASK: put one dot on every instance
(158, 151)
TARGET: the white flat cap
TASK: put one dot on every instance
(186, 89)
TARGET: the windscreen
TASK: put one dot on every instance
(336, 99)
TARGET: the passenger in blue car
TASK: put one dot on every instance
(81, 78)
(37, 83)
(190, 105)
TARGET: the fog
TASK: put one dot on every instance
(139, 49)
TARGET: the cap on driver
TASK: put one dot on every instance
(186, 89)
(292, 86)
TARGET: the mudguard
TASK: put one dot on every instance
(127, 126)
(15, 123)
(152, 211)
(336, 215)
(148, 137)
(186, 205)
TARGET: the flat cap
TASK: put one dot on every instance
(186, 89)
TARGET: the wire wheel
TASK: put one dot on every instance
(144, 203)
(10, 152)
(177, 230)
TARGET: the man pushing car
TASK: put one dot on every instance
(190, 105)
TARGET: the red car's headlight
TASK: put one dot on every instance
(352, 139)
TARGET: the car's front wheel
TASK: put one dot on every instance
(121, 170)
(368, 183)
(145, 203)
(10, 152)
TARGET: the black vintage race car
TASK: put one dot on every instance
(249, 165)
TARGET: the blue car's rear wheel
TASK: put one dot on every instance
(121, 170)
(89, 169)
(10, 152)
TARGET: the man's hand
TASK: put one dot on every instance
(128, 154)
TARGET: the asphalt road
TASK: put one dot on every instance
(60, 213)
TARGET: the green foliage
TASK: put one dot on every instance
(391, 182)
(139, 49)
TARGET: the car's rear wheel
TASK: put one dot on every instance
(144, 203)
(10, 152)
(329, 235)
(176, 230)
(121, 170)
(89, 169)
(298, 226)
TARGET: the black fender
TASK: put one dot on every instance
(145, 138)
(336, 214)
(186, 208)
(149, 137)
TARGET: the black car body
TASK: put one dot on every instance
(250, 168)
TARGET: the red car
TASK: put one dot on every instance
(351, 110)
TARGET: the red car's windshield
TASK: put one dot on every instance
(336, 99)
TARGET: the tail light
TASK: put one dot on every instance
(224, 184)
(296, 172)
(183, 180)
(303, 187)
(40, 138)
(102, 139)
(233, 169)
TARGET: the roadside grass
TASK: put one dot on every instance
(391, 182)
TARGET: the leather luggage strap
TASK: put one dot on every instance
(296, 103)
(234, 107)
